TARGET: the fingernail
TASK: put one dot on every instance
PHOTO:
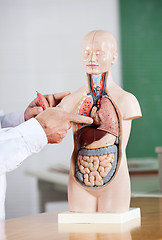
(91, 119)
(40, 110)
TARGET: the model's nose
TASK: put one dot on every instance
(93, 56)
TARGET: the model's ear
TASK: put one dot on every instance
(114, 58)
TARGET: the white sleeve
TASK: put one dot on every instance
(18, 143)
(12, 119)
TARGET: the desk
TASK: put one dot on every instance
(44, 226)
(52, 186)
(158, 150)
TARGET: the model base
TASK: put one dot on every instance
(117, 218)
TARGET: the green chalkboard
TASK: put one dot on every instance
(141, 44)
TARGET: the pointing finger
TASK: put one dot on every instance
(80, 119)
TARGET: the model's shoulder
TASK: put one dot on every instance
(127, 97)
(70, 101)
(127, 103)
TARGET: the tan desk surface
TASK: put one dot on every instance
(45, 227)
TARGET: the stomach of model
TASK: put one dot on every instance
(107, 140)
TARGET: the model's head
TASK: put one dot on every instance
(98, 52)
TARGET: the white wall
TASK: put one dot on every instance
(40, 49)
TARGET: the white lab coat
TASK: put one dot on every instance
(18, 140)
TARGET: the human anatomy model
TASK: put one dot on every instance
(99, 179)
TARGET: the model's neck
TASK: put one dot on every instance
(101, 82)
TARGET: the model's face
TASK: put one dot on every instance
(97, 54)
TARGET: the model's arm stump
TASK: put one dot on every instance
(130, 107)
(69, 102)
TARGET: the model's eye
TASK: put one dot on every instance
(99, 52)
(86, 53)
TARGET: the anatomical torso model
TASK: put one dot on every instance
(99, 179)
